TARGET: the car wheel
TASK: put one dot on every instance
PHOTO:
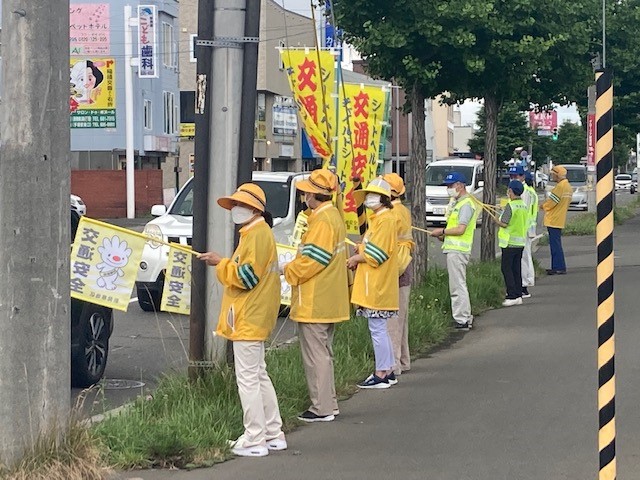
(90, 361)
(149, 300)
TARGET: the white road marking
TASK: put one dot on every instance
(133, 300)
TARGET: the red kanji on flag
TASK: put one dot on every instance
(311, 106)
(361, 105)
(350, 204)
(361, 135)
(358, 165)
(305, 77)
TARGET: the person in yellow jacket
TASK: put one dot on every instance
(249, 311)
(555, 217)
(399, 325)
(320, 292)
(375, 291)
(512, 236)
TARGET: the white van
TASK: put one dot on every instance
(176, 225)
(436, 193)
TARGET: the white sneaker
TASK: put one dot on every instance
(510, 302)
(239, 449)
(278, 443)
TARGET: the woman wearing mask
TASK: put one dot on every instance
(250, 304)
(375, 292)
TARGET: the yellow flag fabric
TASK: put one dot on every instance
(285, 255)
(104, 264)
(362, 116)
(176, 295)
(311, 75)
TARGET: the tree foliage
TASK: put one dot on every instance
(503, 51)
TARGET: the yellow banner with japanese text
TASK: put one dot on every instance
(311, 75)
(176, 295)
(104, 264)
(362, 116)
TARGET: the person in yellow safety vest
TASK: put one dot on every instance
(320, 292)
(530, 199)
(555, 217)
(375, 292)
(399, 326)
(250, 304)
(514, 223)
(457, 238)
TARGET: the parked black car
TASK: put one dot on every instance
(91, 328)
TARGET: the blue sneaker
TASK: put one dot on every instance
(374, 381)
(391, 378)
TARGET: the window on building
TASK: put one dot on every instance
(148, 115)
(170, 120)
(192, 47)
(188, 107)
(282, 45)
(168, 51)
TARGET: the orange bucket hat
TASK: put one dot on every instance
(396, 183)
(320, 181)
(248, 194)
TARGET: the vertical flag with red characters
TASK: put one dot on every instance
(311, 75)
(362, 116)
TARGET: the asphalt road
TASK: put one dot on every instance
(514, 399)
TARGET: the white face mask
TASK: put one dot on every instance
(372, 201)
(452, 192)
(241, 215)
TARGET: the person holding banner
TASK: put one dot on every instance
(250, 304)
(320, 292)
(399, 325)
(457, 238)
(375, 291)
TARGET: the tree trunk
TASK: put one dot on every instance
(488, 239)
(417, 168)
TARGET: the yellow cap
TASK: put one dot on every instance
(397, 184)
(248, 194)
(377, 185)
(320, 181)
(559, 170)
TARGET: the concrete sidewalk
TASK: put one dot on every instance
(515, 399)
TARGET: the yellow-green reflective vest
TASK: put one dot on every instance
(533, 209)
(464, 242)
(514, 234)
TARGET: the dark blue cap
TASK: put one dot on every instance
(528, 175)
(454, 177)
(516, 187)
(519, 170)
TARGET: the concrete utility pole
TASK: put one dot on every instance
(226, 99)
(34, 223)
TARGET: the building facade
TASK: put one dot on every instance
(97, 81)
(278, 134)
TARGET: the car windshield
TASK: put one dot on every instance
(277, 197)
(576, 175)
(623, 177)
(436, 173)
(184, 203)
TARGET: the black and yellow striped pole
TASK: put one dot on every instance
(606, 304)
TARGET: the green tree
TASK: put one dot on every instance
(571, 145)
(501, 51)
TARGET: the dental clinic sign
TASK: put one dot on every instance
(147, 44)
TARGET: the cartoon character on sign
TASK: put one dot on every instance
(115, 256)
(85, 80)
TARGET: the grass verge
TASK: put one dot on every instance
(187, 425)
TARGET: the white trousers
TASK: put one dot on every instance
(460, 302)
(261, 415)
(528, 272)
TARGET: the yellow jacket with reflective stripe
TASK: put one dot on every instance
(405, 234)
(251, 297)
(515, 233)
(461, 243)
(556, 206)
(318, 274)
(533, 209)
(376, 282)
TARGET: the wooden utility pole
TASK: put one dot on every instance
(34, 223)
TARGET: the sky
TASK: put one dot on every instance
(470, 108)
